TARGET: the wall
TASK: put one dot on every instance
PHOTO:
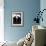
(1, 20)
(43, 6)
(29, 7)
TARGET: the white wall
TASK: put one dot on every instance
(1, 20)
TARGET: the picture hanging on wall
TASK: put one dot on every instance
(17, 18)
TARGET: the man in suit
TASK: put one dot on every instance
(17, 19)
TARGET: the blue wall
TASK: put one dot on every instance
(43, 6)
(29, 7)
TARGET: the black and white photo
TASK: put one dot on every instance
(17, 18)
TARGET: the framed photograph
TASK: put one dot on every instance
(17, 18)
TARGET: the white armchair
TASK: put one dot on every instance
(20, 42)
(26, 41)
